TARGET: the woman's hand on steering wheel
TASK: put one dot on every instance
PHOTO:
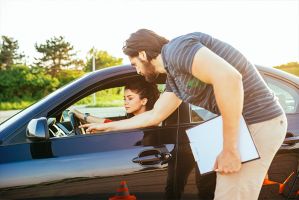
(75, 122)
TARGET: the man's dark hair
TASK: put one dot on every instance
(145, 90)
(144, 40)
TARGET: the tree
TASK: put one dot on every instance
(56, 55)
(23, 83)
(102, 60)
(8, 53)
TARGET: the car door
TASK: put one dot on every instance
(193, 186)
(91, 166)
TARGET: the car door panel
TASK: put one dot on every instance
(185, 156)
(88, 165)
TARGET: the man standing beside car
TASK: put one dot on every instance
(210, 73)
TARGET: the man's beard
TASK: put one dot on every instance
(150, 74)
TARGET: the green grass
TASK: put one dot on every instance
(105, 98)
(19, 105)
(99, 103)
(110, 100)
(111, 103)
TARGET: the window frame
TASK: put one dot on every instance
(291, 89)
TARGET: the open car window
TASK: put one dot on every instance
(108, 103)
(104, 104)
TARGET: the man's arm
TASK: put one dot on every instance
(228, 90)
(164, 106)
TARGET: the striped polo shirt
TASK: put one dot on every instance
(260, 103)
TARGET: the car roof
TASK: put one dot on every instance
(280, 74)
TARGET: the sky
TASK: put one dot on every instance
(265, 31)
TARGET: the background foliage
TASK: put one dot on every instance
(9, 52)
(102, 60)
(22, 84)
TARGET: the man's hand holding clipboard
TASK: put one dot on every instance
(232, 160)
(206, 141)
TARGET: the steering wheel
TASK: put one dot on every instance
(75, 122)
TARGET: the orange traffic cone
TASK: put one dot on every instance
(123, 193)
(281, 185)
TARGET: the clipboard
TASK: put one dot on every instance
(206, 141)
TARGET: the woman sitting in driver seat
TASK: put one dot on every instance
(139, 96)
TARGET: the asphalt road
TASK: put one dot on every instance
(7, 114)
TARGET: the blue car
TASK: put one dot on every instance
(45, 155)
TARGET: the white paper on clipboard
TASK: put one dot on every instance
(206, 141)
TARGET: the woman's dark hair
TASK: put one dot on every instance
(145, 90)
(144, 40)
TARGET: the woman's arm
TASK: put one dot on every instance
(89, 118)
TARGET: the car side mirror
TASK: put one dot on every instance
(37, 129)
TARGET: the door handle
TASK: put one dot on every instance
(148, 160)
(152, 157)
